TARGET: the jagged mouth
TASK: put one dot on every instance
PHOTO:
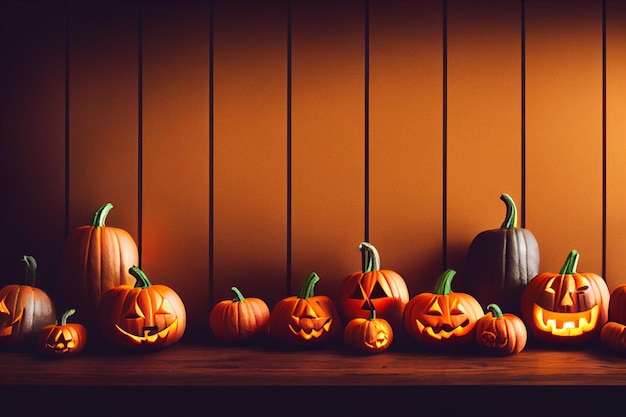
(444, 331)
(310, 328)
(566, 324)
(149, 334)
(8, 330)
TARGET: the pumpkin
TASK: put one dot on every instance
(306, 319)
(613, 337)
(566, 307)
(617, 304)
(442, 318)
(62, 340)
(95, 259)
(240, 318)
(500, 333)
(370, 335)
(501, 262)
(24, 309)
(381, 289)
(143, 317)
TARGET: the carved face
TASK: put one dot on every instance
(66, 339)
(494, 335)
(371, 335)
(24, 311)
(310, 320)
(9, 317)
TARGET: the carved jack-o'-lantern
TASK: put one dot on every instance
(500, 333)
(382, 289)
(306, 319)
(142, 317)
(370, 335)
(24, 309)
(63, 340)
(568, 307)
(443, 318)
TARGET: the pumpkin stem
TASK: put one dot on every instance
(495, 310)
(101, 214)
(67, 313)
(510, 219)
(571, 263)
(372, 314)
(238, 295)
(309, 285)
(140, 276)
(370, 259)
(444, 284)
(31, 270)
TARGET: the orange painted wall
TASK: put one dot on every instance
(250, 143)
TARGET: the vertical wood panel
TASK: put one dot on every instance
(405, 139)
(328, 141)
(484, 119)
(32, 140)
(564, 130)
(103, 45)
(616, 142)
(175, 172)
(250, 171)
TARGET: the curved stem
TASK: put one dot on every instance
(571, 263)
(101, 214)
(510, 220)
(67, 313)
(309, 285)
(370, 259)
(140, 276)
(495, 310)
(31, 270)
(444, 284)
(238, 295)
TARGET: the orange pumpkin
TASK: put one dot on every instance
(443, 318)
(240, 319)
(613, 337)
(306, 319)
(143, 317)
(95, 259)
(370, 335)
(617, 304)
(63, 340)
(500, 333)
(382, 289)
(24, 309)
(568, 307)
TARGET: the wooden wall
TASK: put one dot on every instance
(249, 143)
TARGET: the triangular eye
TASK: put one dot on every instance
(357, 294)
(378, 291)
(165, 307)
(134, 312)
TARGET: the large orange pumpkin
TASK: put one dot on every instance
(443, 318)
(24, 309)
(95, 259)
(240, 319)
(381, 289)
(306, 319)
(143, 317)
(568, 307)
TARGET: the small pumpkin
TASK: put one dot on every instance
(95, 259)
(63, 340)
(306, 319)
(143, 317)
(617, 304)
(500, 333)
(442, 318)
(369, 335)
(568, 307)
(613, 337)
(382, 289)
(24, 309)
(240, 318)
(500, 262)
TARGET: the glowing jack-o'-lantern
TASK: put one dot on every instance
(568, 307)
(143, 317)
(370, 335)
(306, 319)
(382, 289)
(442, 318)
(24, 309)
(63, 340)
(500, 333)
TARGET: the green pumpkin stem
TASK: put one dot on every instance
(309, 285)
(67, 313)
(140, 276)
(370, 259)
(31, 270)
(238, 295)
(571, 263)
(444, 284)
(101, 214)
(495, 310)
(510, 219)
(372, 314)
